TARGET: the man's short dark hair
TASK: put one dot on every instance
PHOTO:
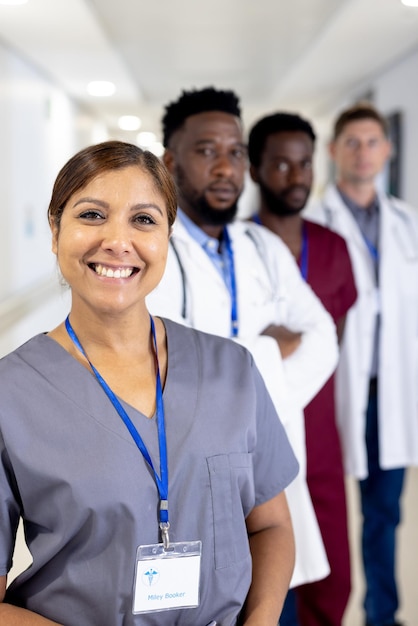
(197, 101)
(357, 112)
(271, 124)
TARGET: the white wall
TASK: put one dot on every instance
(25, 167)
(40, 128)
(397, 90)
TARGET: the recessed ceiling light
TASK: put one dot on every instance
(410, 3)
(157, 148)
(148, 141)
(101, 88)
(129, 122)
(145, 139)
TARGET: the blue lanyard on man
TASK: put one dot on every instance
(304, 254)
(232, 283)
(374, 252)
(162, 480)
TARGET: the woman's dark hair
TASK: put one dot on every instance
(89, 163)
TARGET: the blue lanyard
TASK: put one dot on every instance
(374, 253)
(233, 284)
(256, 218)
(162, 480)
(304, 254)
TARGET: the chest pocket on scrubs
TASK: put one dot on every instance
(232, 492)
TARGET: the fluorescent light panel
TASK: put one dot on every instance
(101, 88)
(129, 122)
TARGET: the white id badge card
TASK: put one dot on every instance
(167, 578)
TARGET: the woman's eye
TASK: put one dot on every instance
(143, 218)
(91, 214)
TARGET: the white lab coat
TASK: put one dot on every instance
(270, 291)
(397, 301)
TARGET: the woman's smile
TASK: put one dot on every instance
(111, 272)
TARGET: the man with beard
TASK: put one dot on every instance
(281, 151)
(238, 280)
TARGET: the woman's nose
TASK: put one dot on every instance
(116, 237)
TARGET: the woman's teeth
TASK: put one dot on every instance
(109, 273)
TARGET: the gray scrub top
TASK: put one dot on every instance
(71, 469)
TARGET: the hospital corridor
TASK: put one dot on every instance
(266, 129)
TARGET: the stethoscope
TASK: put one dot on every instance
(234, 322)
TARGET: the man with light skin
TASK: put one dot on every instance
(377, 390)
(281, 148)
(238, 280)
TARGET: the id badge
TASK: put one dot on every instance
(167, 578)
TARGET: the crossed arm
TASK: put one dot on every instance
(287, 340)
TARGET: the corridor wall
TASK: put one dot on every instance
(40, 128)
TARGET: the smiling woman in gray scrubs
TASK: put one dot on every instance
(145, 458)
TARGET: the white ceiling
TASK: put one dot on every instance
(300, 54)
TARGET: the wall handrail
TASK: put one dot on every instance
(22, 302)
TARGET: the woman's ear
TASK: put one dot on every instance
(54, 231)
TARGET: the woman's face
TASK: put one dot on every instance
(113, 239)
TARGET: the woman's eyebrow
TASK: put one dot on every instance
(147, 205)
(92, 200)
(105, 205)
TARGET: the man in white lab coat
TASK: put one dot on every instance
(377, 377)
(238, 280)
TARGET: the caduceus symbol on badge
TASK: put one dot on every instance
(150, 574)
